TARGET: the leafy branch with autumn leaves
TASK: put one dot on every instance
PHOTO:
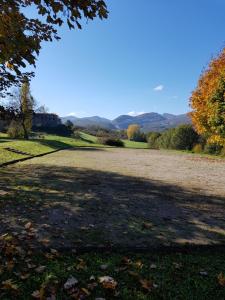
(208, 102)
(21, 37)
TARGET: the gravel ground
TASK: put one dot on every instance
(116, 198)
(199, 173)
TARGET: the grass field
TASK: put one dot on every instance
(127, 143)
(195, 275)
(135, 145)
(32, 147)
(50, 143)
(87, 137)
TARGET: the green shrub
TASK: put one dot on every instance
(153, 140)
(184, 137)
(213, 149)
(165, 140)
(15, 130)
(223, 151)
(197, 148)
(76, 135)
(110, 141)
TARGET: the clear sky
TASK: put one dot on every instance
(146, 57)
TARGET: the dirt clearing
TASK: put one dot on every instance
(115, 198)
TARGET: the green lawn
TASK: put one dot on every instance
(46, 144)
(87, 137)
(128, 144)
(135, 145)
(6, 156)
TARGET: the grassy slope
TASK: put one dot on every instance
(37, 146)
(128, 144)
(87, 137)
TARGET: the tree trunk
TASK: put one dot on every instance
(25, 133)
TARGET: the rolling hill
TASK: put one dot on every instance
(148, 121)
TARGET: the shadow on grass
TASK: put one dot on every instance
(86, 209)
(54, 144)
(86, 140)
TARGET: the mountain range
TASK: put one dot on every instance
(148, 121)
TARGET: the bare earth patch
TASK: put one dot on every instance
(123, 198)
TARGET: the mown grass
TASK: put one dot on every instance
(7, 156)
(127, 143)
(88, 137)
(36, 146)
(48, 143)
(135, 145)
(138, 276)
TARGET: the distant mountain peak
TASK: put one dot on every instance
(151, 121)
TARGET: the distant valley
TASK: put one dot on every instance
(148, 121)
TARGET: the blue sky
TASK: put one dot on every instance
(146, 57)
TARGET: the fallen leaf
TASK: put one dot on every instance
(55, 252)
(86, 291)
(126, 260)
(28, 225)
(36, 295)
(45, 242)
(81, 265)
(108, 282)
(146, 284)
(138, 264)
(71, 281)
(9, 285)
(221, 279)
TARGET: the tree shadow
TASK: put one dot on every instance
(86, 209)
(54, 144)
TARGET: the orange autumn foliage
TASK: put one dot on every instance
(208, 101)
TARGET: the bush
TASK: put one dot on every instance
(15, 130)
(110, 141)
(223, 151)
(76, 135)
(197, 148)
(184, 138)
(153, 140)
(165, 140)
(140, 137)
(213, 149)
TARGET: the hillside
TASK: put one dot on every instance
(148, 121)
(90, 121)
